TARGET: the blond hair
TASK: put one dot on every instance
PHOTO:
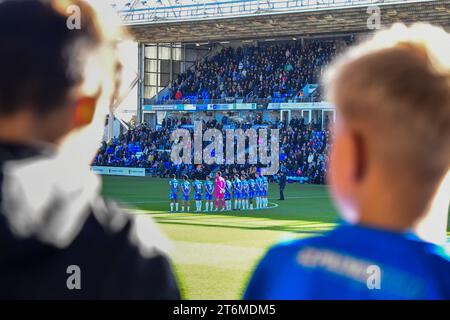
(395, 89)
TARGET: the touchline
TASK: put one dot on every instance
(256, 151)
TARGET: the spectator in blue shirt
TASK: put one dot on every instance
(385, 175)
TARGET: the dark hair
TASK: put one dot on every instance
(185, 177)
(40, 56)
(174, 176)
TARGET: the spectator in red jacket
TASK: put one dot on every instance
(178, 95)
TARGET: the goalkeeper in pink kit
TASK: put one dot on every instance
(219, 190)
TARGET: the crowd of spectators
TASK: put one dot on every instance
(264, 72)
(303, 149)
(250, 72)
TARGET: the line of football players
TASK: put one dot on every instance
(247, 192)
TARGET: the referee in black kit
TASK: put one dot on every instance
(59, 239)
(281, 184)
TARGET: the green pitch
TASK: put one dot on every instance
(214, 254)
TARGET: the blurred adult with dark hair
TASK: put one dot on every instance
(56, 86)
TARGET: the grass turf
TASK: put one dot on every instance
(214, 254)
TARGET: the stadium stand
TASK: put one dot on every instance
(274, 72)
(303, 149)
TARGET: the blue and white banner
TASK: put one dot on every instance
(299, 105)
(119, 171)
(292, 179)
(200, 107)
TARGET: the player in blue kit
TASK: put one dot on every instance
(251, 191)
(258, 188)
(244, 195)
(389, 179)
(198, 194)
(186, 190)
(174, 188)
(264, 191)
(209, 193)
(228, 192)
(237, 192)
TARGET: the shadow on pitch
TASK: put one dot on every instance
(307, 227)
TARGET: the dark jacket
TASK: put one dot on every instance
(50, 221)
(282, 181)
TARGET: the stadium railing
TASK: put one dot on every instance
(226, 9)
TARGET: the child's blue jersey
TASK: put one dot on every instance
(265, 186)
(251, 188)
(198, 190)
(209, 189)
(237, 188)
(258, 185)
(186, 188)
(244, 188)
(251, 184)
(228, 189)
(353, 262)
(174, 187)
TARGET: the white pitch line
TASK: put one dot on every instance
(275, 205)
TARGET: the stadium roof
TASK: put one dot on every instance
(194, 21)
